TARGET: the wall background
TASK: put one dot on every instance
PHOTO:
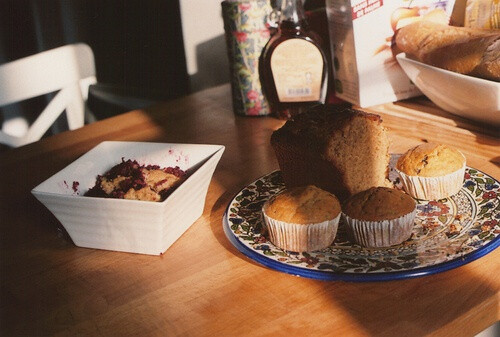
(204, 43)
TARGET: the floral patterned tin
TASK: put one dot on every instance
(247, 32)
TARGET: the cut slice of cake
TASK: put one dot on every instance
(338, 149)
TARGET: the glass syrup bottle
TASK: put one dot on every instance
(293, 68)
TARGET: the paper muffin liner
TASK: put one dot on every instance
(433, 188)
(376, 234)
(301, 237)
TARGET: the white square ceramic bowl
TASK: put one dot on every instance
(143, 227)
(463, 95)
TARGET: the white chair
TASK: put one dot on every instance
(69, 70)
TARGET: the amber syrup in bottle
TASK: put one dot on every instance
(292, 67)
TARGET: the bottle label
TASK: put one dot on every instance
(297, 68)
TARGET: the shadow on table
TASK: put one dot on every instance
(434, 113)
(426, 306)
(422, 304)
(496, 161)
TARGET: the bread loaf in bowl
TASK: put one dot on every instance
(469, 51)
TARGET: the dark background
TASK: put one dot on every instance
(137, 44)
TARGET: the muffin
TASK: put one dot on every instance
(431, 171)
(379, 217)
(303, 218)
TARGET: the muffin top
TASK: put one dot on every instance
(430, 160)
(303, 205)
(378, 203)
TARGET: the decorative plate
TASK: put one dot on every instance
(448, 233)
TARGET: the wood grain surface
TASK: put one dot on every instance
(202, 285)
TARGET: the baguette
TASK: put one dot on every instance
(469, 51)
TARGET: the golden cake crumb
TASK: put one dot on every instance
(340, 150)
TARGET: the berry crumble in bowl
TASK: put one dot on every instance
(135, 197)
(133, 181)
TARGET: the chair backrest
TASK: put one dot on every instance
(69, 69)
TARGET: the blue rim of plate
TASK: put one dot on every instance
(353, 277)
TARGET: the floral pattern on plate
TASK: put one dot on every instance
(445, 233)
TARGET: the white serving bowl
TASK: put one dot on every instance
(134, 226)
(463, 95)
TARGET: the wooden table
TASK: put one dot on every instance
(202, 285)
